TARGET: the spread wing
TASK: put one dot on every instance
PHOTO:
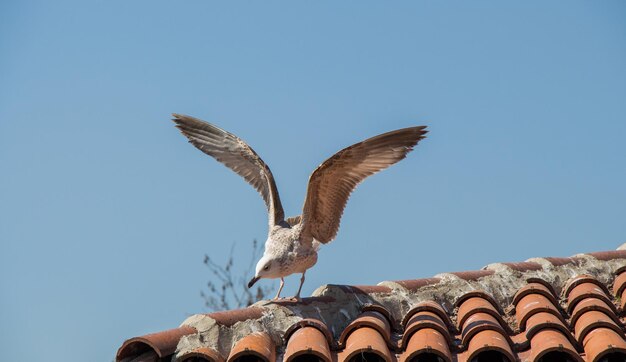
(332, 182)
(235, 154)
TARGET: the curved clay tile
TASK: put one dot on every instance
(472, 274)
(619, 285)
(619, 288)
(415, 284)
(562, 261)
(552, 341)
(311, 322)
(258, 344)
(487, 341)
(423, 320)
(543, 320)
(370, 319)
(307, 341)
(230, 317)
(532, 304)
(382, 310)
(587, 290)
(583, 279)
(427, 340)
(534, 288)
(475, 305)
(601, 342)
(591, 320)
(201, 354)
(590, 304)
(609, 255)
(480, 294)
(479, 322)
(162, 343)
(524, 266)
(543, 282)
(429, 306)
(365, 340)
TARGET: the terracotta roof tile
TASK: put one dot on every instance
(490, 342)
(415, 284)
(535, 280)
(473, 274)
(619, 285)
(585, 291)
(202, 354)
(429, 306)
(474, 305)
(552, 343)
(592, 304)
(542, 321)
(507, 311)
(602, 342)
(160, 344)
(592, 320)
(425, 320)
(523, 266)
(609, 255)
(535, 288)
(228, 318)
(584, 279)
(366, 341)
(308, 342)
(480, 294)
(372, 320)
(257, 345)
(532, 304)
(478, 323)
(562, 261)
(426, 341)
(314, 323)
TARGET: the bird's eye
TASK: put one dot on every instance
(267, 267)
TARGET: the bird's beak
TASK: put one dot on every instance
(252, 281)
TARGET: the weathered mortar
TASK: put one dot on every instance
(336, 306)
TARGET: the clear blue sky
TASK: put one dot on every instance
(106, 211)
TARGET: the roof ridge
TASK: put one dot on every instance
(337, 306)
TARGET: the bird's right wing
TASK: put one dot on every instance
(332, 182)
(237, 155)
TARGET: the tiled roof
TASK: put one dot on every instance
(543, 309)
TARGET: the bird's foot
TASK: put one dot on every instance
(296, 298)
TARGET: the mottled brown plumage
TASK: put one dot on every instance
(235, 154)
(333, 181)
(292, 244)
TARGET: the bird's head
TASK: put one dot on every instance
(265, 268)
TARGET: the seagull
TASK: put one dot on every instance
(292, 243)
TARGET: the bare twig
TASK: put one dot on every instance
(227, 291)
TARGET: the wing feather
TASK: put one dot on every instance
(331, 184)
(237, 155)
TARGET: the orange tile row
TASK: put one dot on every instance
(595, 318)
(429, 330)
(585, 327)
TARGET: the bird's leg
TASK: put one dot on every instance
(282, 284)
(297, 297)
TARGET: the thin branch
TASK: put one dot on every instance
(229, 290)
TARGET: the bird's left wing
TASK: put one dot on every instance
(237, 155)
(332, 182)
